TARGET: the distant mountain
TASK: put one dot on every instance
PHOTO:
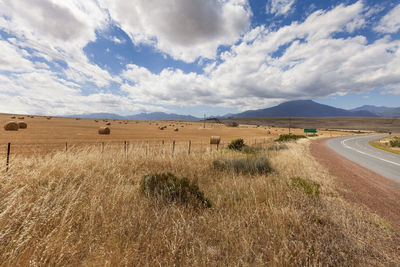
(303, 108)
(381, 111)
(109, 116)
(156, 116)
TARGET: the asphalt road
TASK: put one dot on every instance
(359, 150)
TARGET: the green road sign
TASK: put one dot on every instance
(310, 130)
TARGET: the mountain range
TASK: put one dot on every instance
(153, 116)
(381, 111)
(297, 108)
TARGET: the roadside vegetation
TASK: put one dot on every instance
(275, 207)
(390, 144)
(289, 137)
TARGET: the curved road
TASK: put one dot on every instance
(359, 150)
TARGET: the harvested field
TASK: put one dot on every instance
(346, 123)
(51, 135)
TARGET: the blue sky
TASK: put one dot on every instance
(195, 57)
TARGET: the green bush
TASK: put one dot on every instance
(395, 143)
(251, 165)
(309, 187)
(170, 188)
(236, 144)
(289, 137)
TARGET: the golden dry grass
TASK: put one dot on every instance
(83, 207)
(384, 144)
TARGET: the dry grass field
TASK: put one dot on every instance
(384, 143)
(84, 207)
(349, 123)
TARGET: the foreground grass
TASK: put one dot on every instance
(86, 208)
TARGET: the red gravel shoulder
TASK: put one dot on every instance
(362, 186)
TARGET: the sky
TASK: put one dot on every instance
(196, 56)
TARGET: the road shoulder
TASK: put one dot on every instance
(360, 185)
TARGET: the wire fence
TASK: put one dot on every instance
(10, 151)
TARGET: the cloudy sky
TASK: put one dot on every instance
(196, 56)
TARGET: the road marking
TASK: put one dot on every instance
(372, 156)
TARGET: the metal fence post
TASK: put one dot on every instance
(8, 155)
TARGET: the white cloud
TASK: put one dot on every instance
(256, 73)
(280, 7)
(12, 59)
(183, 29)
(299, 61)
(390, 23)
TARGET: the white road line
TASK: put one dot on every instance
(372, 156)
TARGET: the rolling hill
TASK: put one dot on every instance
(303, 108)
(156, 116)
(381, 111)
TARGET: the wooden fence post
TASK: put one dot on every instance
(147, 147)
(190, 145)
(66, 146)
(102, 147)
(173, 147)
(8, 155)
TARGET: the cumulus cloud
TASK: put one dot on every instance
(50, 33)
(186, 30)
(46, 71)
(260, 71)
(280, 7)
(390, 23)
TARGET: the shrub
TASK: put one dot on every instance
(395, 143)
(289, 137)
(277, 147)
(251, 165)
(309, 187)
(236, 144)
(170, 188)
(232, 124)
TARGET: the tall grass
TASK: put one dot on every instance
(85, 208)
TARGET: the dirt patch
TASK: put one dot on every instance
(360, 185)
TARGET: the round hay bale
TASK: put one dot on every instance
(11, 126)
(96, 121)
(176, 129)
(215, 140)
(108, 123)
(21, 118)
(22, 125)
(49, 118)
(104, 130)
(13, 117)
